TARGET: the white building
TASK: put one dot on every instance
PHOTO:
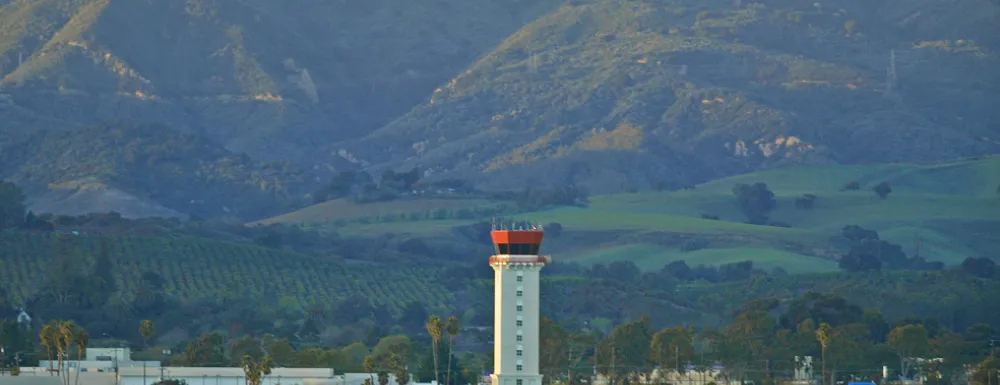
(101, 360)
(691, 376)
(516, 267)
(197, 376)
(803, 370)
(236, 376)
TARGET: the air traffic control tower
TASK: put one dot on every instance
(516, 266)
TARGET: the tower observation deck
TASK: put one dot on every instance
(516, 266)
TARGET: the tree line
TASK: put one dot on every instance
(763, 342)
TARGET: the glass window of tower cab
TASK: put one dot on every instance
(517, 266)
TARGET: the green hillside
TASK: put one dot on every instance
(198, 268)
(255, 76)
(606, 94)
(969, 177)
(146, 170)
(619, 95)
(944, 213)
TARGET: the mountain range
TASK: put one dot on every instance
(268, 99)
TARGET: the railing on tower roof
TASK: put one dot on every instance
(505, 224)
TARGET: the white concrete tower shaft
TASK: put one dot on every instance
(517, 285)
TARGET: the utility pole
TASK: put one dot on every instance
(677, 360)
(767, 371)
(613, 348)
(569, 367)
(596, 347)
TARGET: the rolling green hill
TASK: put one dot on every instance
(945, 212)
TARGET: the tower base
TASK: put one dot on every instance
(516, 379)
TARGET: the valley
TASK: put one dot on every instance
(323, 175)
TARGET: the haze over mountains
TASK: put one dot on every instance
(610, 95)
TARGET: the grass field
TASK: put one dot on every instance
(966, 177)
(944, 212)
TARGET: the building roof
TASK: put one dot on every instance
(190, 371)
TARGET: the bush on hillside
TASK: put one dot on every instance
(979, 267)
(534, 200)
(724, 273)
(805, 202)
(694, 244)
(553, 229)
(756, 201)
(882, 190)
(869, 252)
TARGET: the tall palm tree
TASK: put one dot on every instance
(368, 365)
(48, 337)
(255, 370)
(81, 339)
(435, 328)
(452, 326)
(65, 338)
(823, 334)
(146, 330)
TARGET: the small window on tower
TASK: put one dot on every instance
(520, 293)
(520, 338)
(520, 308)
(520, 367)
(520, 352)
(520, 382)
(520, 278)
(520, 323)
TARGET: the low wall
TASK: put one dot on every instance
(42, 377)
